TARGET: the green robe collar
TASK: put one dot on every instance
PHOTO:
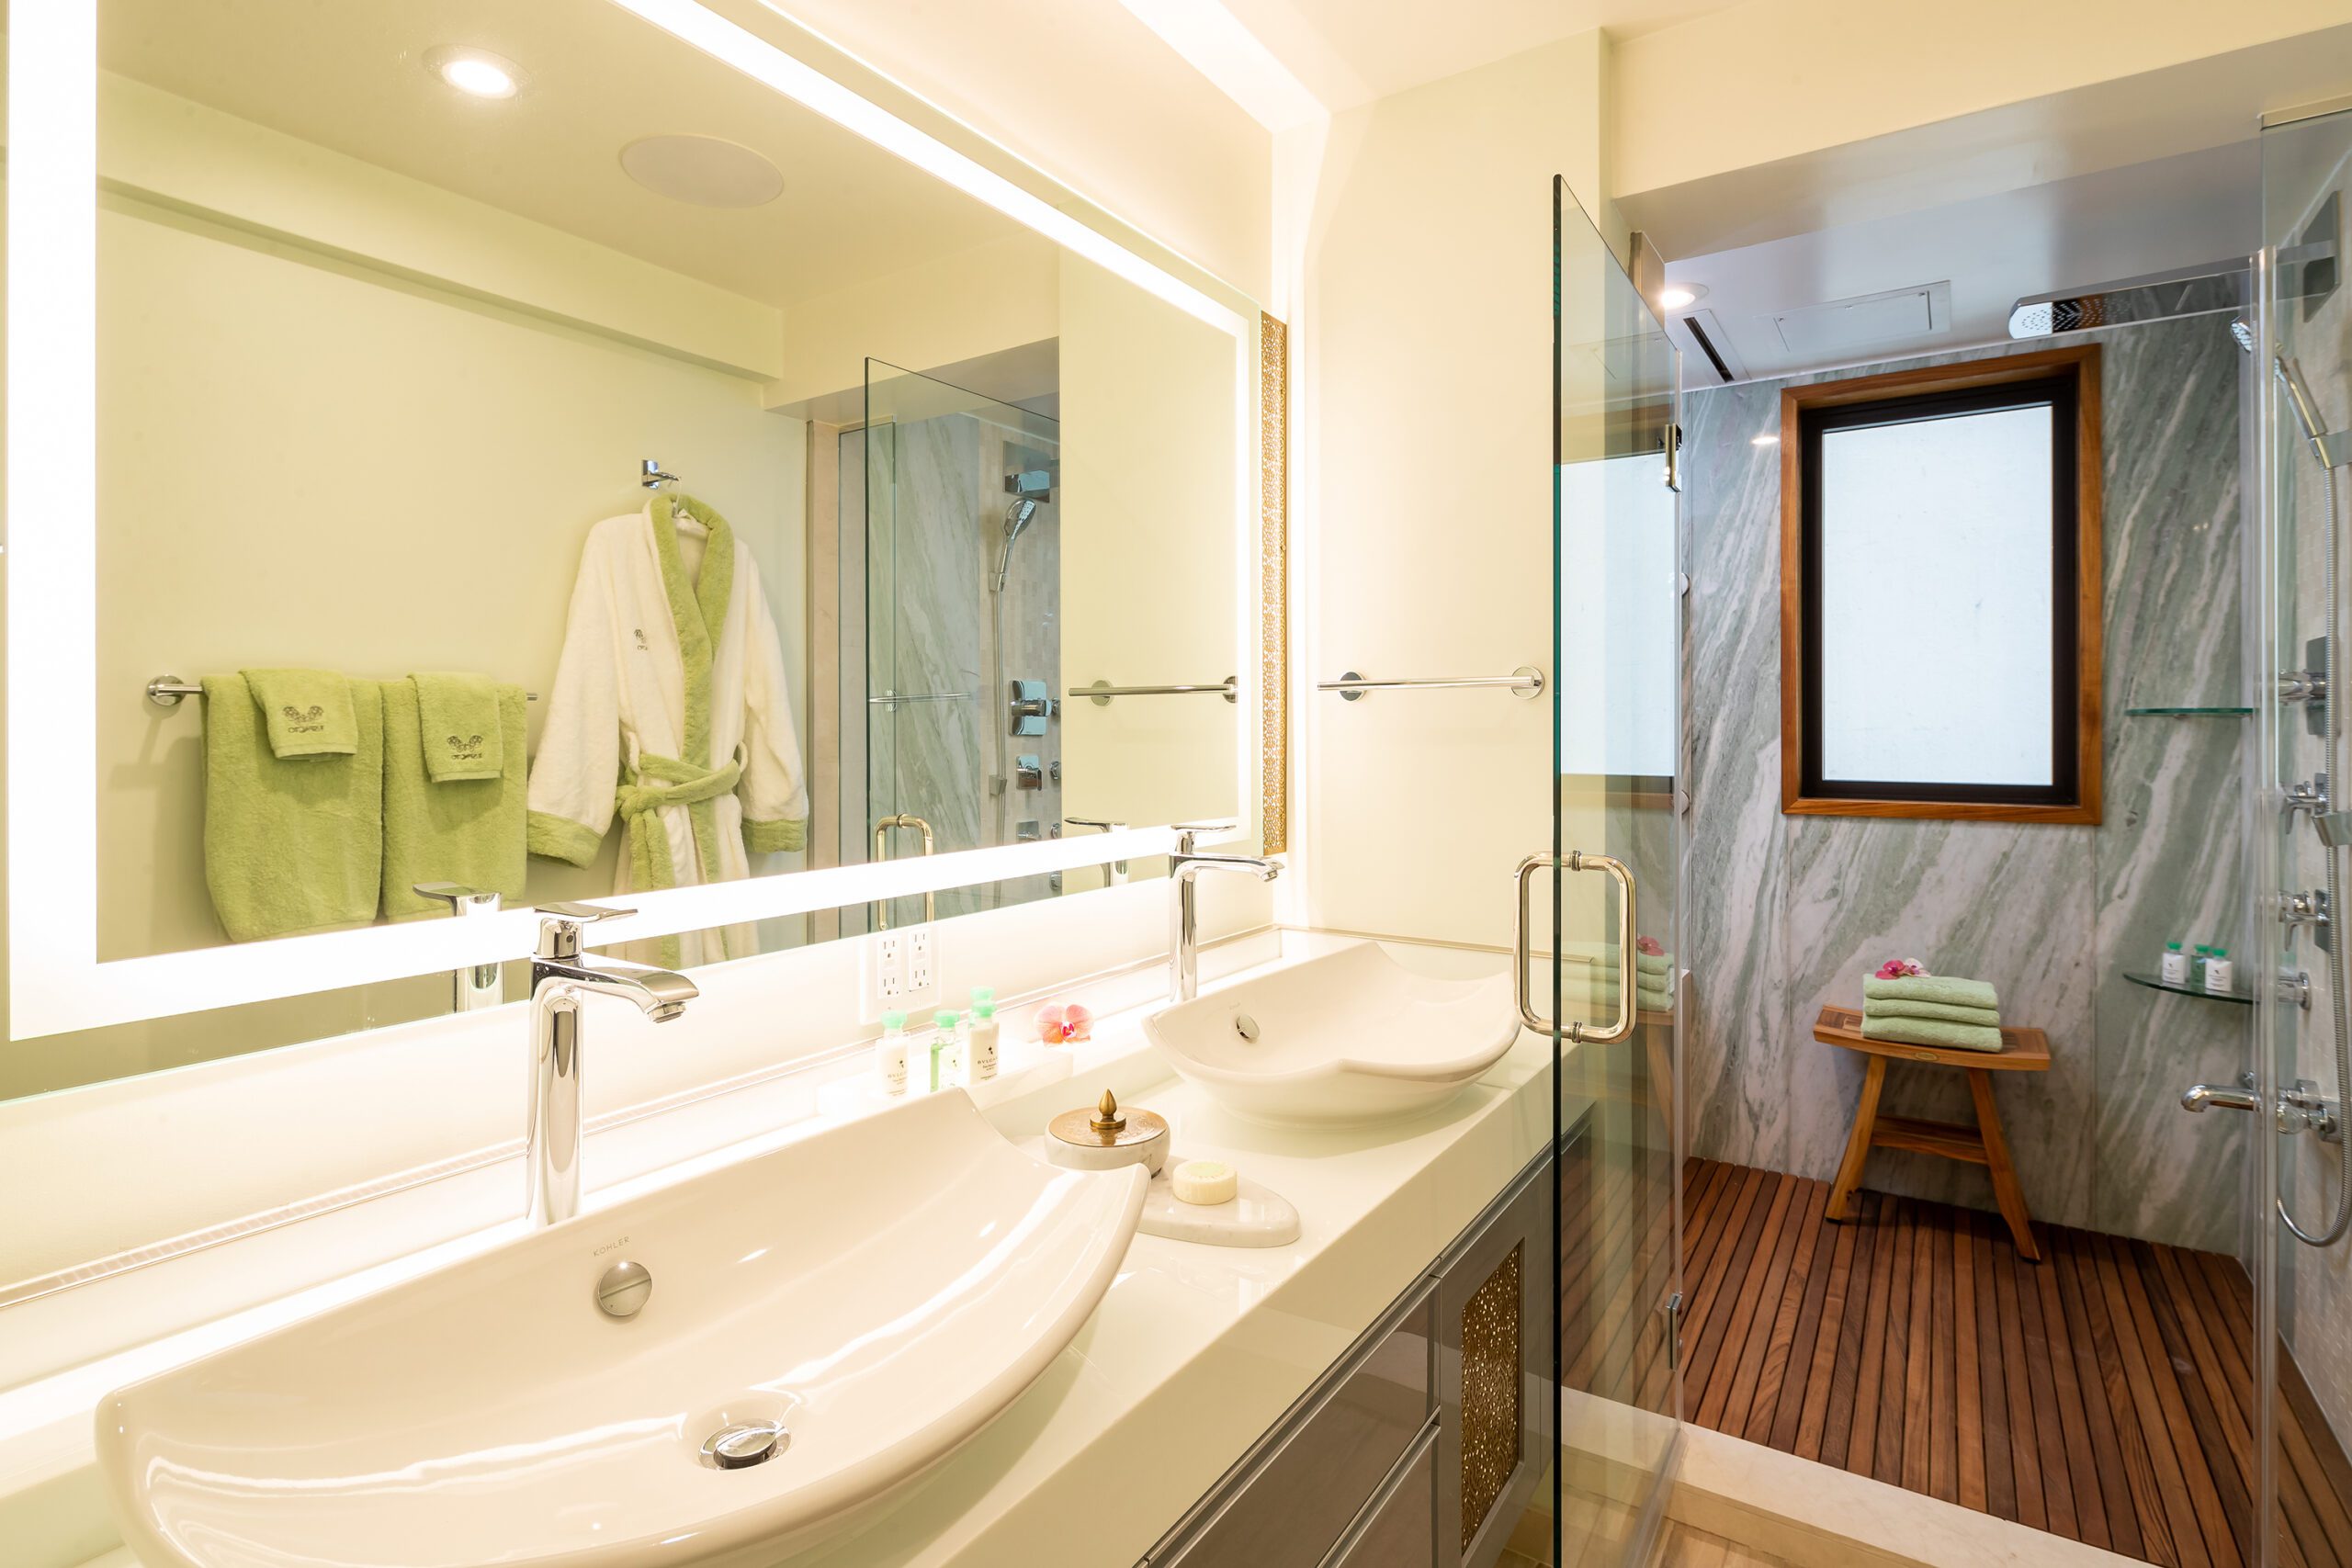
(698, 608)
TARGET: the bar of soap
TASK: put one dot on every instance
(1205, 1181)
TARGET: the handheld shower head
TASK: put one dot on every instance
(1016, 518)
(2326, 445)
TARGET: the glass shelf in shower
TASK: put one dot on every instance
(2154, 984)
(2189, 712)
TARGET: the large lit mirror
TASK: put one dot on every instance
(536, 456)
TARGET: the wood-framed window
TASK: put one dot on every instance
(1940, 591)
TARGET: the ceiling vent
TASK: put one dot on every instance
(1708, 336)
(1858, 327)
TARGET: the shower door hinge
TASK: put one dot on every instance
(1674, 458)
(1682, 584)
(1673, 1313)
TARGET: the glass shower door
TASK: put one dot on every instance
(961, 607)
(1617, 854)
(2300, 376)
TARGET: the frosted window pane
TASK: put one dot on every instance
(1936, 601)
(1620, 634)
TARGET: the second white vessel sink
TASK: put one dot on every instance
(849, 1309)
(1351, 1037)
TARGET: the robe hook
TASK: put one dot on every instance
(650, 476)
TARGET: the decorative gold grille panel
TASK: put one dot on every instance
(1490, 1391)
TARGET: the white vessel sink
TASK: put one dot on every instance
(1348, 1038)
(883, 1291)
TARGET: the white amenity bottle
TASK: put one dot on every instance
(2174, 970)
(890, 1055)
(2220, 973)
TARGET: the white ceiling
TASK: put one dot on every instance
(347, 75)
(1350, 51)
(2064, 234)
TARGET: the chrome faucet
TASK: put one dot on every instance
(559, 975)
(1184, 913)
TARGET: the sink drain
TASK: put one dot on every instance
(743, 1446)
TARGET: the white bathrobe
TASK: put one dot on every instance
(670, 711)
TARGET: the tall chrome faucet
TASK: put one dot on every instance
(559, 975)
(1184, 913)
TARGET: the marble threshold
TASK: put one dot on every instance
(1193, 1354)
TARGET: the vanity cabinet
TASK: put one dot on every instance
(1419, 1447)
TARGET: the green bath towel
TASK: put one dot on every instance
(291, 845)
(1896, 1007)
(1653, 964)
(1941, 988)
(1931, 1031)
(1654, 1000)
(460, 716)
(311, 713)
(469, 831)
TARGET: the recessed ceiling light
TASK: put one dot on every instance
(475, 71)
(1764, 440)
(702, 170)
(1674, 296)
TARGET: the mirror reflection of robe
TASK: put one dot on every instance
(670, 711)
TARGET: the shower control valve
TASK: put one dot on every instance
(2302, 686)
(2303, 1109)
(2303, 908)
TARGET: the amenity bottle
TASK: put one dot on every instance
(942, 1044)
(890, 1054)
(2174, 970)
(980, 1041)
(2220, 973)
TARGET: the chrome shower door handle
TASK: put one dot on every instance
(1580, 1033)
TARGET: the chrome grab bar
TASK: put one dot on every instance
(1103, 691)
(882, 827)
(1580, 1033)
(1524, 682)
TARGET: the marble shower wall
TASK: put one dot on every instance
(1789, 913)
(932, 759)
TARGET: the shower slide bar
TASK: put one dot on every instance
(167, 691)
(890, 697)
(1103, 691)
(1524, 682)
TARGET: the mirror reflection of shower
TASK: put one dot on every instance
(1028, 703)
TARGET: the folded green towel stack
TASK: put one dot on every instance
(460, 716)
(311, 713)
(1654, 982)
(1932, 1010)
(468, 830)
(291, 842)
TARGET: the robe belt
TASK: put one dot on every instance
(639, 803)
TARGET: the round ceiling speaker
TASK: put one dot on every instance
(702, 170)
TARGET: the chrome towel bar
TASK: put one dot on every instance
(889, 697)
(1103, 691)
(165, 691)
(1525, 682)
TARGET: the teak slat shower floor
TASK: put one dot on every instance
(2104, 1394)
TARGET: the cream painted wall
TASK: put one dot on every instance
(1151, 556)
(306, 466)
(1426, 441)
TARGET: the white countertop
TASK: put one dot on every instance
(1194, 1352)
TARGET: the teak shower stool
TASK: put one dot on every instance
(2023, 1051)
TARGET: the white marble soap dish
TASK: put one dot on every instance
(1254, 1216)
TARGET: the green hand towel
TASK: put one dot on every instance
(1649, 1001)
(290, 845)
(1657, 964)
(461, 720)
(469, 831)
(1931, 1031)
(311, 713)
(1896, 1007)
(1933, 988)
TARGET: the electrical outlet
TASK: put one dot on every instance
(921, 970)
(883, 969)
